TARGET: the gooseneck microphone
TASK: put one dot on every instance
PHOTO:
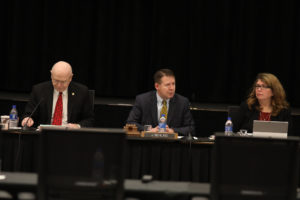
(25, 127)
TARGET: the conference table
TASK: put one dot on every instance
(177, 166)
(163, 159)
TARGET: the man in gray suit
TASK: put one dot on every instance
(148, 106)
(77, 109)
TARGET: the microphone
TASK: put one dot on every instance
(25, 127)
(188, 136)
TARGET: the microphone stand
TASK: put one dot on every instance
(25, 127)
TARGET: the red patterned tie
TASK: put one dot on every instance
(57, 117)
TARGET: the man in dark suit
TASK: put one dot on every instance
(148, 106)
(76, 109)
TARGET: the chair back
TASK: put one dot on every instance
(250, 168)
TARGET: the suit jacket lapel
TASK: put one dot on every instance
(49, 101)
(71, 95)
(154, 108)
(171, 111)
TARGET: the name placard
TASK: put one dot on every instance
(147, 134)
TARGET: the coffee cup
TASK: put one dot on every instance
(4, 122)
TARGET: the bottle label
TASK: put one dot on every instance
(13, 116)
(162, 125)
(228, 128)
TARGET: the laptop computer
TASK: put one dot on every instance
(275, 129)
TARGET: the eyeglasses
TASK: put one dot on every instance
(61, 82)
(263, 87)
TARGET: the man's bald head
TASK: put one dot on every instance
(62, 67)
(61, 75)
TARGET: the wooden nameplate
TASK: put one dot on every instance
(132, 130)
(164, 135)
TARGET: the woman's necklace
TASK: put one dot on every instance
(264, 116)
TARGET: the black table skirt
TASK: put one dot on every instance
(166, 160)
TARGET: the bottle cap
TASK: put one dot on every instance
(163, 115)
(229, 118)
(14, 106)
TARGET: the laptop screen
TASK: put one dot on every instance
(278, 129)
(87, 162)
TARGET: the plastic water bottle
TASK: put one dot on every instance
(228, 127)
(162, 123)
(13, 117)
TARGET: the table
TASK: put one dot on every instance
(168, 160)
(164, 159)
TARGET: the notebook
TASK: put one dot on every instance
(275, 129)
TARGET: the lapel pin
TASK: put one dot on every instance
(73, 93)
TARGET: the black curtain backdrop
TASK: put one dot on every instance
(215, 47)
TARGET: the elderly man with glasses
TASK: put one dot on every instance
(60, 101)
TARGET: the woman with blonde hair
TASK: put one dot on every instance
(266, 101)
